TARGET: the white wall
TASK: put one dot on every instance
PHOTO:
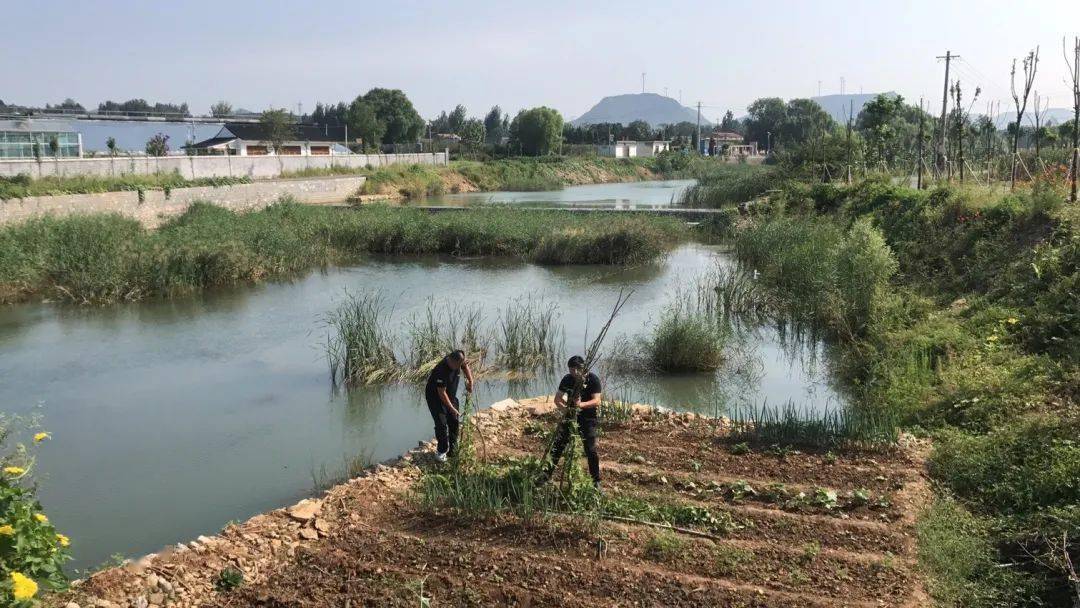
(193, 167)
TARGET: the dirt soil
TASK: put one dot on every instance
(368, 543)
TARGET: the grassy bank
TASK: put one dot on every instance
(514, 174)
(104, 258)
(956, 311)
(22, 186)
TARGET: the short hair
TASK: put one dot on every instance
(576, 362)
(457, 355)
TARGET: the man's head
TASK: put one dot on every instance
(576, 365)
(455, 359)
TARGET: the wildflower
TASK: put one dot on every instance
(992, 338)
(23, 588)
(1012, 320)
(14, 470)
(7, 530)
(41, 517)
(39, 437)
(64, 541)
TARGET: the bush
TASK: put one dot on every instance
(32, 552)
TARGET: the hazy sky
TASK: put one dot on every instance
(518, 54)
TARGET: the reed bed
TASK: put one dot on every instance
(791, 425)
(108, 258)
(528, 335)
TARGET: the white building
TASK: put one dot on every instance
(250, 139)
(632, 149)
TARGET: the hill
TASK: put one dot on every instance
(650, 107)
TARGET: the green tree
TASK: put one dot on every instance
(493, 126)
(638, 130)
(537, 131)
(110, 143)
(729, 124)
(364, 123)
(278, 128)
(806, 120)
(395, 111)
(158, 145)
(472, 131)
(456, 120)
(221, 109)
(765, 119)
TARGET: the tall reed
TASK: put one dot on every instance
(359, 345)
(528, 335)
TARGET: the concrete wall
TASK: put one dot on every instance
(192, 167)
(156, 206)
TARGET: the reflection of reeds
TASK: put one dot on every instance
(791, 425)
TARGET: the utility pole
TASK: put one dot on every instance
(843, 85)
(944, 109)
(960, 128)
(698, 142)
(851, 112)
(643, 82)
(922, 120)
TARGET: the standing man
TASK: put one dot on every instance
(442, 401)
(578, 391)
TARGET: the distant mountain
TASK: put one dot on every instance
(837, 105)
(1053, 116)
(650, 107)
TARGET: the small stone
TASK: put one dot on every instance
(140, 602)
(165, 586)
(322, 526)
(152, 581)
(309, 534)
(71, 605)
(157, 598)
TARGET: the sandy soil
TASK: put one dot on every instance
(368, 543)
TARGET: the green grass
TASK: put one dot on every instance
(22, 186)
(359, 346)
(953, 311)
(791, 426)
(527, 334)
(664, 546)
(722, 185)
(109, 258)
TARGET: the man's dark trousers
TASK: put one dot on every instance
(446, 425)
(587, 428)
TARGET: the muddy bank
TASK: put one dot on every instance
(368, 541)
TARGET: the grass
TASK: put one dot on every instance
(791, 426)
(664, 546)
(528, 335)
(690, 334)
(22, 186)
(359, 347)
(952, 311)
(109, 258)
(724, 185)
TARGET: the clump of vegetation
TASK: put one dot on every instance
(108, 258)
(792, 426)
(663, 546)
(690, 335)
(359, 346)
(22, 186)
(228, 579)
(444, 327)
(528, 334)
(725, 184)
(32, 552)
(730, 559)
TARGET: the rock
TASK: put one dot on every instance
(309, 534)
(153, 581)
(71, 605)
(504, 405)
(322, 526)
(140, 602)
(165, 586)
(157, 598)
(305, 510)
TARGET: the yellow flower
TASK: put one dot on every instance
(1012, 320)
(993, 338)
(41, 517)
(23, 587)
(64, 541)
(14, 470)
(7, 530)
(39, 437)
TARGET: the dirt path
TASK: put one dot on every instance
(368, 543)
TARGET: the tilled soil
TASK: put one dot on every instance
(368, 543)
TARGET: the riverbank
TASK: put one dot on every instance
(109, 258)
(955, 311)
(682, 526)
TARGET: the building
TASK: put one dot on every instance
(29, 138)
(632, 149)
(252, 139)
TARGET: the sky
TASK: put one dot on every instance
(566, 55)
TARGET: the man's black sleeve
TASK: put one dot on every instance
(595, 387)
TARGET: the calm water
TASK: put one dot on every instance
(171, 418)
(628, 195)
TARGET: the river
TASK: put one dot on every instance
(620, 195)
(171, 418)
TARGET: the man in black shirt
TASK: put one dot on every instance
(442, 401)
(582, 390)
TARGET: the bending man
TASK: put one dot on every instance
(584, 389)
(442, 401)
